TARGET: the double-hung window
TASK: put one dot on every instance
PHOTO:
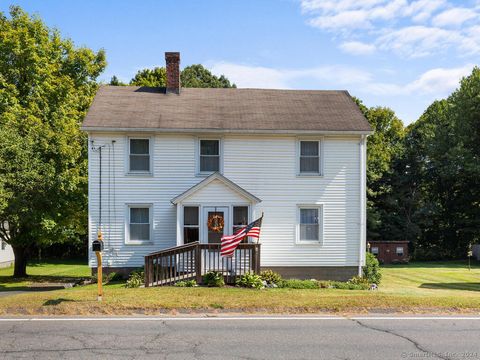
(240, 219)
(309, 157)
(191, 227)
(210, 156)
(139, 156)
(399, 250)
(310, 224)
(139, 224)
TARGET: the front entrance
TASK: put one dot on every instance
(215, 215)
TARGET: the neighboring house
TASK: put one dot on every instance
(389, 252)
(6, 254)
(168, 159)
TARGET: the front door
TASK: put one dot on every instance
(216, 224)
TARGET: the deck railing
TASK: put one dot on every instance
(192, 261)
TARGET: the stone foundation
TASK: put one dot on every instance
(338, 273)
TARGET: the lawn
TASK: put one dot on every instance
(60, 271)
(417, 287)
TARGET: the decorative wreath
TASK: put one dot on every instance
(215, 223)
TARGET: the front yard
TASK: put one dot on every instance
(417, 287)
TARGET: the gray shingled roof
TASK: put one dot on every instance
(142, 108)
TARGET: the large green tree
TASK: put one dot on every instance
(193, 76)
(46, 87)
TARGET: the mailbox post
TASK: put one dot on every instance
(97, 246)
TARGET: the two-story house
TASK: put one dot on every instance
(162, 161)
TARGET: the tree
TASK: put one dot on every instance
(46, 87)
(384, 146)
(114, 81)
(193, 76)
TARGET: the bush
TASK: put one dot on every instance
(371, 270)
(136, 279)
(213, 279)
(250, 280)
(299, 284)
(270, 277)
(186, 283)
(107, 278)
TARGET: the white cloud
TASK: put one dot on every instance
(357, 48)
(418, 41)
(455, 17)
(246, 76)
(411, 28)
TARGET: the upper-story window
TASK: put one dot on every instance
(210, 155)
(139, 155)
(309, 157)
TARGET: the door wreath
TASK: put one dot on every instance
(215, 223)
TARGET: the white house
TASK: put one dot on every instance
(166, 160)
(6, 254)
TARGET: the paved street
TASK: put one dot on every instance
(242, 338)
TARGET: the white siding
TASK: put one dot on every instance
(263, 165)
(6, 255)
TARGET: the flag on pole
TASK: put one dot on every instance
(230, 242)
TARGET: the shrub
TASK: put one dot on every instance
(106, 278)
(213, 279)
(299, 284)
(270, 277)
(186, 283)
(371, 270)
(136, 279)
(250, 280)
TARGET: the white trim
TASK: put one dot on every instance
(215, 176)
(321, 156)
(197, 155)
(128, 206)
(363, 203)
(320, 207)
(151, 147)
(227, 131)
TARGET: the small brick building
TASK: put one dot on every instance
(389, 252)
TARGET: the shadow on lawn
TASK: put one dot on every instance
(454, 264)
(56, 301)
(35, 282)
(468, 286)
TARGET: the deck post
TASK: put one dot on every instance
(198, 263)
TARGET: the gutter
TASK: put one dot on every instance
(363, 204)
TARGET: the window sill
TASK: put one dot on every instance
(308, 242)
(310, 175)
(143, 174)
(138, 242)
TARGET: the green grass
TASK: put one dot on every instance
(416, 287)
(59, 271)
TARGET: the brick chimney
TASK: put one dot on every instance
(173, 72)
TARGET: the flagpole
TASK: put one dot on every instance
(258, 239)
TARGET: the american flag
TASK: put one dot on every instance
(230, 242)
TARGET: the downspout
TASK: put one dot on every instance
(363, 203)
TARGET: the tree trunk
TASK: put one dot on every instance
(20, 269)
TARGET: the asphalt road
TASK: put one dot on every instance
(242, 338)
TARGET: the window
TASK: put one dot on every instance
(139, 223)
(399, 250)
(310, 224)
(375, 250)
(240, 219)
(4, 245)
(139, 155)
(309, 157)
(190, 224)
(209, 156)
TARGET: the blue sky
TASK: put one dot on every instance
(398, 53)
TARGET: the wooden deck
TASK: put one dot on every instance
(192, 261)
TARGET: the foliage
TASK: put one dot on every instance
(270, 277)
(193, 76)
(371, 270)
(136, 279)
(213, 279)
(106, 278)
(186, 283)
(299, 284)
(114, 81)
(46, 87)
(250, 280)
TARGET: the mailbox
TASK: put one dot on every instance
(97, 245)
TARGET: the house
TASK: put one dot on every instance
(167, 160)
(6, 255)
(388, 252)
